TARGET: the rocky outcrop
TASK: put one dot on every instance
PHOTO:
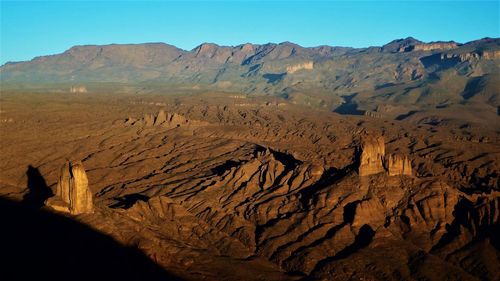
(206, 50)
(7, 120)
(160, 118)
(78, 89)
(398, 164)
(72, 192)
(370, 212)
(62, 189)
(400, 45)
(372, 159)
(373, 114)
(294, 68)
(411, 44)
(461, 57)
(406, 72)
(80, 196)
(372, 156)
(148, 120)
(168, 120)
(489, 55)
(432, 46)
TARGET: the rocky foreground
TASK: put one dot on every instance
(255, 190)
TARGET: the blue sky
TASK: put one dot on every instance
(29, 29)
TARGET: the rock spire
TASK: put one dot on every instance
(72, 192)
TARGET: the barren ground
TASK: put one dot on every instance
(259, 188)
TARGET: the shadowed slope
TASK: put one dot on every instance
(38, 245)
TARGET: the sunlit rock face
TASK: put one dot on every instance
(163, 119)
(372, 156)
(434, 46)
(160, 118)
(72, 193)
(294, 68)
(398, 164)
(78, 89)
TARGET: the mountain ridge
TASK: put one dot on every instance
(403, 76)
(247, 43)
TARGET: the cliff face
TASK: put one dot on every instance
(374, 161)
(294, 68)
(489, 55)
(398, 164)
(372, 156)
(80, 197)
(433, 46)
(62, 189)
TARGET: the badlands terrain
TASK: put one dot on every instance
(254, 162)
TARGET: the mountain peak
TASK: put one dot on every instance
(206, 50)
(288, 43)
(400, 44)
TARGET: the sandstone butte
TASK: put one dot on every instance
(372, 156)
(374, 161)
(399, 165)
(72, 192)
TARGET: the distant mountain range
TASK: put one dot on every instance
(376, 80)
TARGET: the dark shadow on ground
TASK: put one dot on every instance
(406, 115)
(129, 200)
(439, 63)
(40, 245)
(468, 217)
(308, 195)
(363, 239)
(226, 166)
(38, 191)
(349, 107)
(273, 78)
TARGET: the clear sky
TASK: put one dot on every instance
(30, 29)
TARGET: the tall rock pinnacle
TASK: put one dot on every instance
(373, 160)
(72, 193)
(372, 156)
